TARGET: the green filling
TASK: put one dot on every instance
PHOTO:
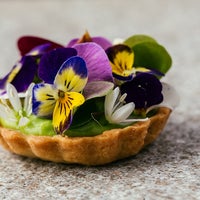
(36, 126)
(88, 120)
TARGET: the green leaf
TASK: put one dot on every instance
(153, 56)
(137, 39)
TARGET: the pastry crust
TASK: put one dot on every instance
(107, 147)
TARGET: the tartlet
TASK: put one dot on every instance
(107, 147)
(87, 103)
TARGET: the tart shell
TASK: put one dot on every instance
(107, 147)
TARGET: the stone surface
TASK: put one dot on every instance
(167, 169)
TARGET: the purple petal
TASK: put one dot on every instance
(51, 62)
(97, 89)
(101, 41)
(26, 75)
(72, 42)
(21, 75)
(39, 50)
(96, 60)
(144, 90)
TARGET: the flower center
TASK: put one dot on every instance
(61, 94)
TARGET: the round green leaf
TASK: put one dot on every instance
(153, 56)
(137, 39)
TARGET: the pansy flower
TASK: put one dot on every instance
(121, 59)
(63, 96)
(31, 49)
(144, 90)
(100, 79)
(103, 42)
(25, 70)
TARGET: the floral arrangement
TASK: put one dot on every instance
(85, 87)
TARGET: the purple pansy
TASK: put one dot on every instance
(51, 61)
(144, 90)
(21, 75)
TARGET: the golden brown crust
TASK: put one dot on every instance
(107, 147)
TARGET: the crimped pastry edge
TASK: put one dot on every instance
(107, 147)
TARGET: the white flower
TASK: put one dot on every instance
(116, 111)
(12, 110)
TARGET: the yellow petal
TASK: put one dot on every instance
(141, 69)
(72, 76)
(44, 99)
(62, 115)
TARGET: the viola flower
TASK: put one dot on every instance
(171, 98)
(12, 110)
(101, 41)
(63, 96)
(116, 111)
(51, 61)
(100, 79)
(122, 59)
(144, 90)
(31, 49)
(25, 70)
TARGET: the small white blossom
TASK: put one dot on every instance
(116, 111)
(11, 108)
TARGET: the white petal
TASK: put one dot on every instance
(23, 121)
(171, 97)
(6, 112)
(110, 100)
(28, 100)
(118, 41)
(123, 112)
(13, 97)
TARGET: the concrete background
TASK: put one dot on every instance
(167, 169)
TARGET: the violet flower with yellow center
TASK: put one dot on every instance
(122, 60)
(62, 97)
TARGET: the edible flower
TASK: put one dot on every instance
(122, 59)
(12, 108)
(101, 41)
(171, 99)
(27, 43)
(63, 96)
(25, 69)
(144, 90)
(116, 111)
(31, 49)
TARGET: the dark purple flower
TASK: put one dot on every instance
(144, 90)
(21, 75)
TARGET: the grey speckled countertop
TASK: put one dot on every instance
(170, 167)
